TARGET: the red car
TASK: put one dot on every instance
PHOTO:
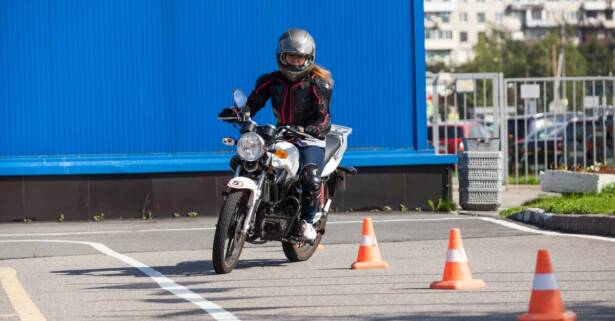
(451, 135)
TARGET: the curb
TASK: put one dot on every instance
(584, 224)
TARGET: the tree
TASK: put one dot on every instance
(498, 52)
(599, 57)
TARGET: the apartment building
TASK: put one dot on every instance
(452, 27)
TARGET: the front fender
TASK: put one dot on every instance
(244, 183)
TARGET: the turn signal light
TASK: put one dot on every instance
(280, 153)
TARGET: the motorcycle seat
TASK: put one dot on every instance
(333, 143)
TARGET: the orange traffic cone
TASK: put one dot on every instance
(369, 254)
(457, 275)
(546, 301)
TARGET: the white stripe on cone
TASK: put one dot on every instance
(544, 281)
(458, 255)
(367, 240)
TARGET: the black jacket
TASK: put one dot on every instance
(302, 103)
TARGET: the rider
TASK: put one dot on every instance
(300, 93)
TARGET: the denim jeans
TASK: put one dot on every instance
(314, 155)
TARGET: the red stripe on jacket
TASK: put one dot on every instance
(263, 85)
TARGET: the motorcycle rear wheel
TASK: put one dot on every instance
(228, 240)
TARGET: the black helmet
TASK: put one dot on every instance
(300, 42)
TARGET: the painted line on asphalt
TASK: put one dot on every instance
(109, 232)
(165, 283)
(210, 228)
(405, 220)
(20, 300)
(550, 233)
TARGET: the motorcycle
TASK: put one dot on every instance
(263, 200)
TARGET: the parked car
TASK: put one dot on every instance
(542, 146)
(519, 126)
(451, 135)
(529, 125)
(586, 145)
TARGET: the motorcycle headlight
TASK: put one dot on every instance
(250, 146)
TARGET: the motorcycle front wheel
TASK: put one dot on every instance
(300, 252)
(228, 240)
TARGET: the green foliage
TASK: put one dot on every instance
(147, 215)
(176, 215)
(513, 210)
(498, 52)
(603, 203)
(442, 205)
(193, 214)
(61, 217)
(98, 218)
(522, 180)
(608, 190)
(436, 67)
(600, 57)
(403, 208)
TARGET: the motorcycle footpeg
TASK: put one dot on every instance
(348, 170)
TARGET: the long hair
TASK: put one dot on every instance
(323, 73)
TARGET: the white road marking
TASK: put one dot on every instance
(109, 232)
(488, 219)
(208, 228)
(165, 283)
(406, 220)
(550, 233)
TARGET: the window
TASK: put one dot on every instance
(463, 36)
(499, 16)
(480, 17)
(463, 16)
(438, 34)
(437, 16)
(445, 17)
(536, 14)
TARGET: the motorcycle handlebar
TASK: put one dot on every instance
(297, 131)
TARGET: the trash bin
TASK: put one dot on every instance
(481, 169)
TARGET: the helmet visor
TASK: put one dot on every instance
(293, 59)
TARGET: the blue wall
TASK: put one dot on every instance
(127, 81)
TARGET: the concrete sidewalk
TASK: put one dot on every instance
(515, 195)
(512, 195)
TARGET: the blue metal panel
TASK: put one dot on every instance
(193, 162)
(123, 79)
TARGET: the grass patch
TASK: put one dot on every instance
(603, 203)
(522, 180)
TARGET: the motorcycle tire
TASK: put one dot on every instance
(228, 240)
(296, 253)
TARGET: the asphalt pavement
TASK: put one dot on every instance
(161, 269)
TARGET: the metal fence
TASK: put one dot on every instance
(559, 123)
(464, 105)
(542, 123)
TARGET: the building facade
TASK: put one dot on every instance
(453, 27)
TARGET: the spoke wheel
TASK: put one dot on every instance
(229, 241)
(296, 252)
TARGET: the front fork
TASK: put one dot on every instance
(256, 194)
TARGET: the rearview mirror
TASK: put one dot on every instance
(239, 98)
